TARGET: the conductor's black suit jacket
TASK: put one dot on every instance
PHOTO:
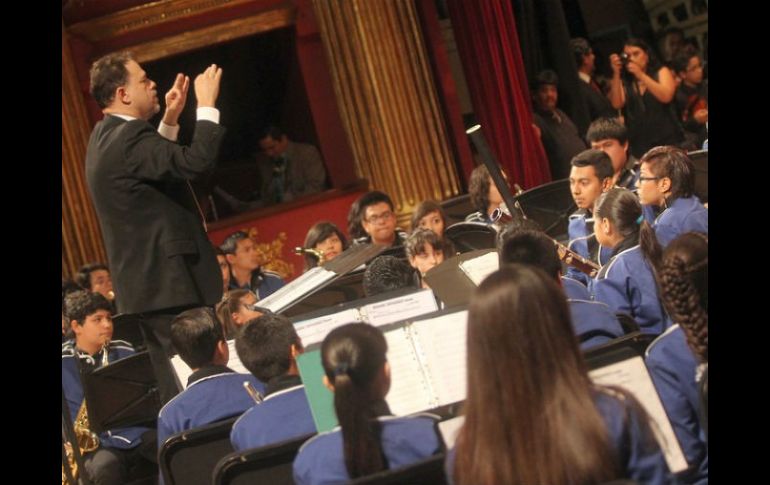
(159, 255)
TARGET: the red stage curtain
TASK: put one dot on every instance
(489, 48)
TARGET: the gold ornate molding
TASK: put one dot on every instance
(388, 100)
(147, 15)
(215, 34)
(270, 253)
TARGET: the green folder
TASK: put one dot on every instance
(320, 398)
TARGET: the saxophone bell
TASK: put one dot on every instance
(316, 253)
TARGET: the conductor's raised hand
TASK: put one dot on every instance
(176, 97)
(207, 86)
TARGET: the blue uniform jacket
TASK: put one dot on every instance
(281, 416)
(122, 438)
(673, 368)
(207, 400)
(593, 322)
(579, 235)
(626, 284)
(405, 440)
(640, 456)
(683, 215)
(263, 283)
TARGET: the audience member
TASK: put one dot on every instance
(692, 96)
(585, 60)
(370, 439)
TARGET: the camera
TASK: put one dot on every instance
(624, 59)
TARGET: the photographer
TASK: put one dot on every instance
(646, 89)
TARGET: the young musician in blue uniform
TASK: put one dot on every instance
(425, 250)
(676, 360)
(214, 391)
(120, 449)
(627, 282)
(532, 414)
(268, 346)
(368, 439)
(611, 137)
(592, 321)
(590, 176)
(666, 188)
(245, 271)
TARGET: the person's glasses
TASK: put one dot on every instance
(374, 218)
(642, 179)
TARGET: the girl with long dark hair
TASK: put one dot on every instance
(532, 415)
(368, 439)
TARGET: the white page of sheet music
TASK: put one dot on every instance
(183, 371)
(442, 341)
(409, 390)
(400, 308)
(631, 374)
(315, 330)
(303, 284)
(479, 268)
(449, 429)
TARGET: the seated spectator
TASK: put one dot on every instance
(678, 358)
(387, 273)
(370, 439)
(692, 96)
(666, 188)
(592, 321)
(430, 215)
(558, 133)
(424, 250)
(214, 391)
(288, 169)
(245, 271)
(268, 347)
(627, 281)
(532, 414)
(326, 238)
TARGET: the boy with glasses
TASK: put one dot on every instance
(376, 217)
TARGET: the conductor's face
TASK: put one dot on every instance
(141, 92)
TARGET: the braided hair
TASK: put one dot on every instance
(683, 278)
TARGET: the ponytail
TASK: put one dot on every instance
(648, 243)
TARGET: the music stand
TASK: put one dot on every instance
(700, 158)
(126, 327)
(470, 236)
(124, 393)
(550, 205)
(450, 283)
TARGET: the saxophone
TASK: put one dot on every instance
(316, 253)
(88, 441)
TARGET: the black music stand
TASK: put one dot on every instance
(126, 327)
(550, 205)
(450, 283)
(124, 393)
(470, 236)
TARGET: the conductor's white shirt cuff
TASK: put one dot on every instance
(168, 132)
(208, 113)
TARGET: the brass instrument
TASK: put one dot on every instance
(88, 441)
(317, 253)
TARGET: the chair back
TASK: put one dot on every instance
(189, 457)
(268, 464)
(429, 471)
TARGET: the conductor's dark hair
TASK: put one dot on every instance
(353, 355)
(83, 278)
(672, 162)
(79, 305)
(684, 282)
(622, 208)
(600, 161)
(264, 346)
(387, 273)
(107, 74)
(607, 128)
(533, 248)
(195, 334)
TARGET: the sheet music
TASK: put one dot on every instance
(400, 308)
(314, 330)
(297, 288)
(442, 340)
(183, 371)
(479, 268)
(409, 390)
(449, 430)
(631, 374)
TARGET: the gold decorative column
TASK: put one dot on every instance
(81, 235)
(387, 98)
